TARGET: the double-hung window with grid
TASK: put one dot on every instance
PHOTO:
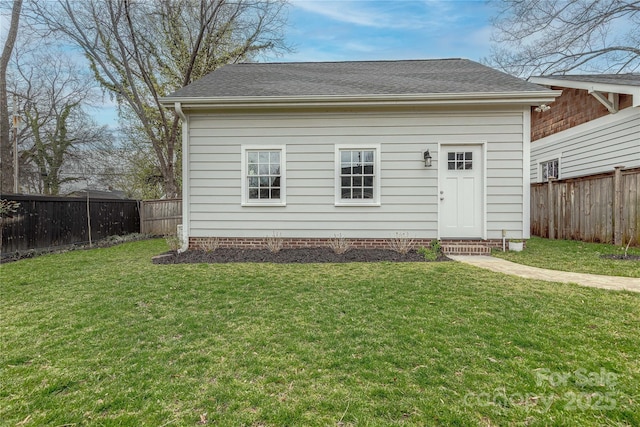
(263, 176)
(357, 177)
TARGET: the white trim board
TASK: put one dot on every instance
(186, 177)
(440, 99)
(591, 86)
(526, 178)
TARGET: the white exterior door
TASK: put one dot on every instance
(461, 191)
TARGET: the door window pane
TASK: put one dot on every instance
(460, 160)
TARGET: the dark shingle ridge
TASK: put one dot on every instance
(349, 61)
(353, 78)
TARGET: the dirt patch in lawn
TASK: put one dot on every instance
(289, 256)
(622, 257)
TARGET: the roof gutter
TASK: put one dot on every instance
(177, 106)
(488, 98)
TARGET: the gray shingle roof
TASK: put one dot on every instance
(299, 79)
(632, 79)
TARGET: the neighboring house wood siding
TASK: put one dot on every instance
(409, 191)
(573, 108)
(591, 148)
(593, 126)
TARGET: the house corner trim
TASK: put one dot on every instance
(186, 229)
(526, 178)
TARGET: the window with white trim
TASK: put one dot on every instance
(263, 176)
(357, 175)
(549, 169)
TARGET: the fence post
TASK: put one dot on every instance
(551, 209)
(617, 205)
(143, 223)
(89, 219)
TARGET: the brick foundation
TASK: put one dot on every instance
(451, 247)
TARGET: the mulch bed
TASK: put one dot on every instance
(622, 257)
(289, 256)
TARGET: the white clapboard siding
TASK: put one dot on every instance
(591, 148)
(409, 193)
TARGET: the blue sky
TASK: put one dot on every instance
(329, 30)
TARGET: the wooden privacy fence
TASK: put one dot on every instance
(160, 217)
(603, 208)
(49, 222)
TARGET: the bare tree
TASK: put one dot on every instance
(6, 159)
(140, 51)
(548, 36)
(140, 177)
(53, 93)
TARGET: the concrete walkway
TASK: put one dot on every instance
(508, 267)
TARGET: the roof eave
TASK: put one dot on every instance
(591, 86)
(528, 98)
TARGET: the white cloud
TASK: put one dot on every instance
(313, 55)
(363, 13)
(356, 46)
(426, 15)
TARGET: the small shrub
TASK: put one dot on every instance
(210, 245)
(401, 243)
(339, 244)
(433, 252)
(173, 241)
(116, 239)
(274, 243)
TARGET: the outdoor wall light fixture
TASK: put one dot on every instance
(542, 108)
(427, 159)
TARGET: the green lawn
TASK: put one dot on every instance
(104, 337)
(576, 256)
